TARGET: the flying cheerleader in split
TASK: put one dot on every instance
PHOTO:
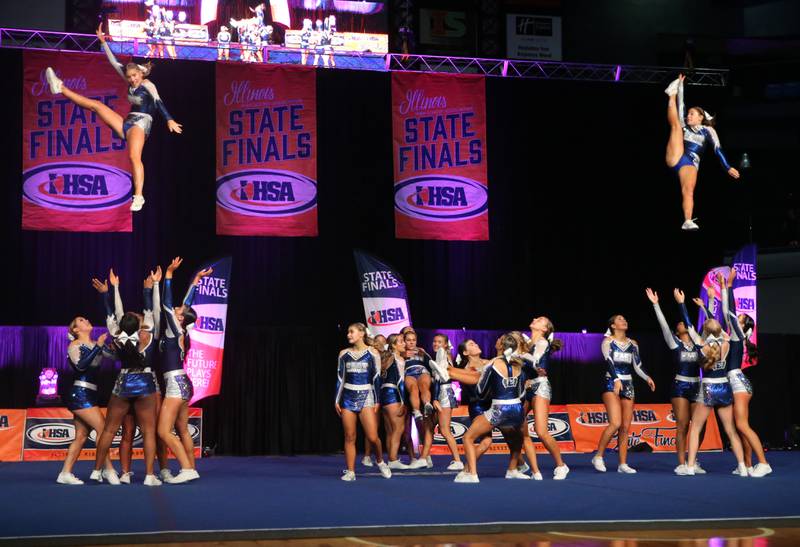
(689, 133)
(133, 128)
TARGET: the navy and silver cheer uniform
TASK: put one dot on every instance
(418, 365)
(145, 101)
(477, 404)
(443, 391)
(736, 377)
(687, 358)
(392, 387)
(177, 383)
(622, 358)
(715, 388)
(136, 378)
(358, 379)
(85, 361)
(506, 410)
(695, 138)
(538, 361)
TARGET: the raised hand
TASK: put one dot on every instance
(174, 265)
(721, 280)
(100, 287)
(731, 277)
(148, 281)
(100, 35)
(698, 301)
(652, 296)
(679, 296)
(157, 275)
(113, 277)
(201, 274)
(102, 339)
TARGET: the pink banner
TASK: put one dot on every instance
(439, 135)
(203, 361)
(266, 150)
(75, 169)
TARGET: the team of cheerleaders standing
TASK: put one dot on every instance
(395, 377)
(142, 347)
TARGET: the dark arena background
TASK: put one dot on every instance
(583, 217)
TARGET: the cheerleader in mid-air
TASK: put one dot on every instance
(357, 400)
(135, 127)
(688, 135)
(622, 357)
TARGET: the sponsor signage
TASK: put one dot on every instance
(558, 425)
(12, 431)
(533, 37)
(652, 424)
(48, 432)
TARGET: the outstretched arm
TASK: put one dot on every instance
(718, 152)
(118, 67)
(171, 123)
(669, 338)
(681, 300)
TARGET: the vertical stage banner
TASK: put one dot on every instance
(384, 295)
(439, 144)
(12, 431)
(203, 361)
(711, 295)
(75, 170)
(744, 290)
(266, 150)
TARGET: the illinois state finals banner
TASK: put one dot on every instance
(203, 361)
(266, 150)
(75, 170)
(439, 144)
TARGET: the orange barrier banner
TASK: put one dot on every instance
(652, 424)
(12, 429)
(48, 432)
(558, 425)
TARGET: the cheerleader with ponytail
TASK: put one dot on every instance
(741, 328)
(135, 127)
(85, 357)
(539, 392)
(715, 393)
(444, 400)
(135, 385)
(357, 385)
